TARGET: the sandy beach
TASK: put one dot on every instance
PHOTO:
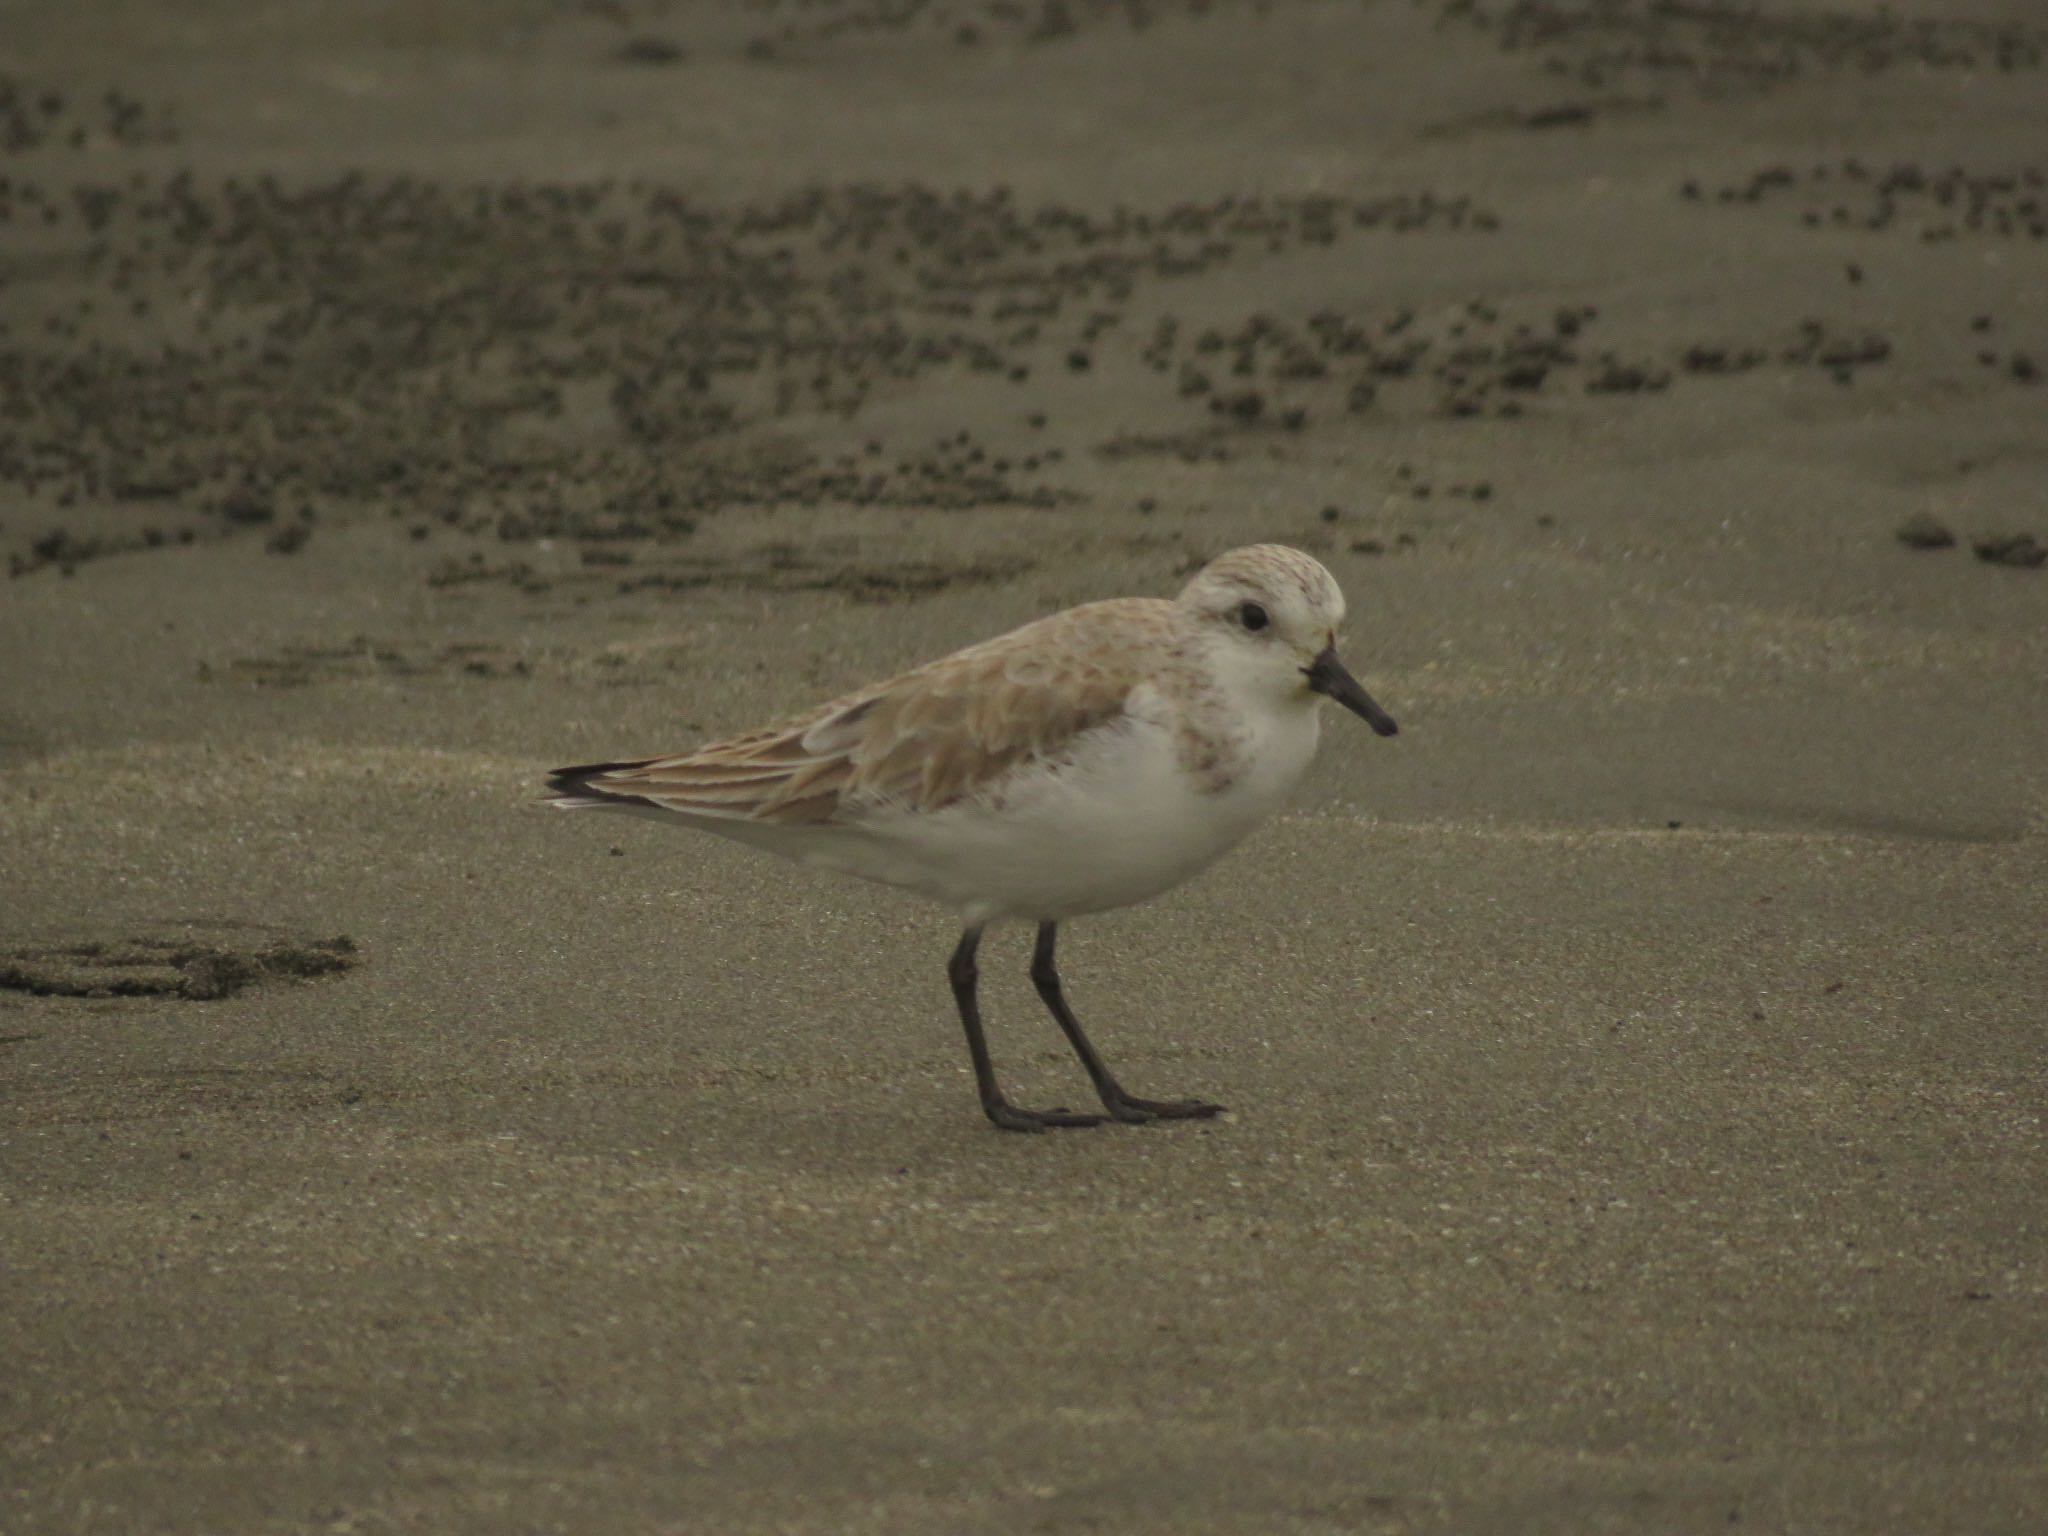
(1636, 1068)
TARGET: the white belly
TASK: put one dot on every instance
(1119, 823)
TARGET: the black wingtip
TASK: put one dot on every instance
(576, 782)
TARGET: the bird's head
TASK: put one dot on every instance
(1273, 615)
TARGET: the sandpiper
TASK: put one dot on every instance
(1088, 760)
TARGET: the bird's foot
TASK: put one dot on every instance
(1008, 1117)
(1134, 1111)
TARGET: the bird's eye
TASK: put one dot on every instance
(1253, 617)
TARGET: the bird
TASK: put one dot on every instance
(1088, 760)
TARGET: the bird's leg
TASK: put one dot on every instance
(1121, 1106)
(961, 970)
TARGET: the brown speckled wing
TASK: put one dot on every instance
(948, 731)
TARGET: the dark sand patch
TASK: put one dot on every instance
(185, 966)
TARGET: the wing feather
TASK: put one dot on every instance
(947, 732)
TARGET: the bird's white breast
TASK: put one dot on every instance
(1120, 818)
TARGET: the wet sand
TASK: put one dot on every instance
(1636, 1068)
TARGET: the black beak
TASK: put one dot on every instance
(1326, 675)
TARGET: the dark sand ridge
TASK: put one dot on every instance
(1586, 1172)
